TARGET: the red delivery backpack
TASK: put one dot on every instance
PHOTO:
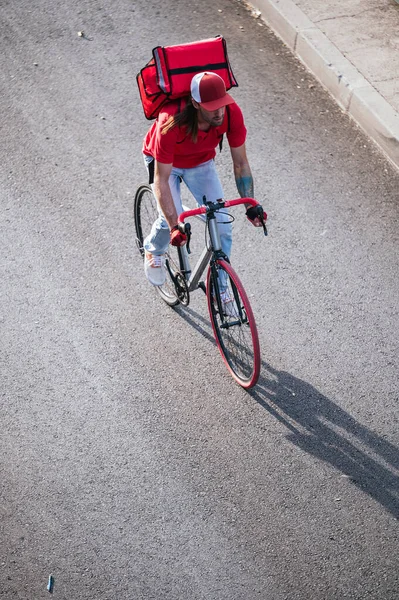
(167, 76)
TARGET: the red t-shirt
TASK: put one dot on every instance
(176, 147)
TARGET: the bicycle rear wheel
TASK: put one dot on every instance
(145, 214)
(235, 334)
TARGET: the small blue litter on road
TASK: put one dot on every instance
(50, 584)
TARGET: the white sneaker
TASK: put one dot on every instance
(154, 268)
(229, 305)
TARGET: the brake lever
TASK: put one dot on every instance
(185, 228)
(264, 227)
(260, 211)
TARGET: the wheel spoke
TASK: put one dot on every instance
(145, 215)
(235, 333)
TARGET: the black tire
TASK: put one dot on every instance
(236, 336)
(145, 214)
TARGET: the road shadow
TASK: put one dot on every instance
(323, 429)
(198, 322)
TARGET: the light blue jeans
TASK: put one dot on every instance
(201, 181)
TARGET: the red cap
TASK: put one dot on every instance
(209, 90)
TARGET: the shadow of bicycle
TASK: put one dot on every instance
(321, 428)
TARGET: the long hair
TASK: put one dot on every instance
(188, 117)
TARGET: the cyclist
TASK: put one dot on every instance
(181, 146)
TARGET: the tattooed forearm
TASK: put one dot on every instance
(245, 186)
(242, 172)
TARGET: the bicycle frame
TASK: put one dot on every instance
(193, 276)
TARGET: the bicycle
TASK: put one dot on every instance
(235, 333)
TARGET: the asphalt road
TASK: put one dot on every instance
(131, 465)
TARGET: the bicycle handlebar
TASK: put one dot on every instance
(200, 210)
(213, 207)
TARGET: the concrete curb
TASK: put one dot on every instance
(354, 94)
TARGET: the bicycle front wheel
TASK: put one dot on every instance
(145, 215)
(234, 324)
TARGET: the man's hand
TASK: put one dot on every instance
(177, 238)
(254, 214)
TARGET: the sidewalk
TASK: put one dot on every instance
(352, 48)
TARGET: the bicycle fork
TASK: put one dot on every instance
(226, 323)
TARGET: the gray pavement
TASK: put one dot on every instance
(131, 465)
(352, 49)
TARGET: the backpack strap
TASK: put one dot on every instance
(228, 127)
(179, 106)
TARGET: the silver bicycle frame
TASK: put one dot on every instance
(194, 276)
